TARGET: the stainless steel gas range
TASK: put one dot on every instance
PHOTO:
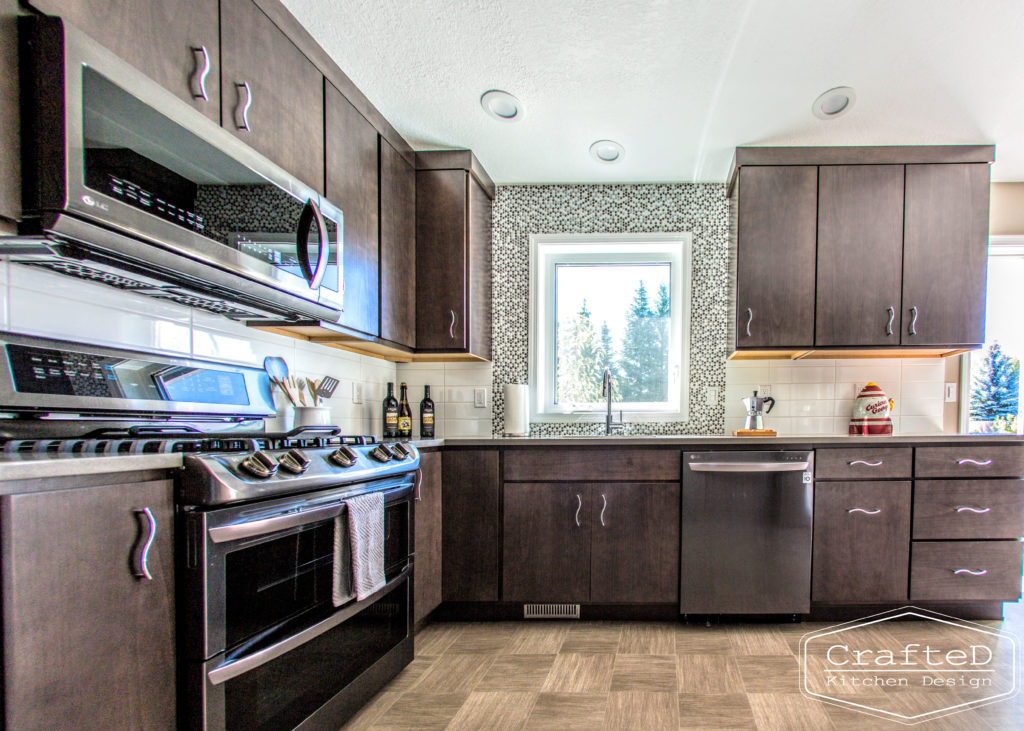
(262, 643)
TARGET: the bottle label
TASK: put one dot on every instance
(391, 418)
(428, 420)
(405, 424)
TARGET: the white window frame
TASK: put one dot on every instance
(547, 250)
(997, 246)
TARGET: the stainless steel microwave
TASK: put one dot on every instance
(125, 184)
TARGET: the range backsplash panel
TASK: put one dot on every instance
(698, 208)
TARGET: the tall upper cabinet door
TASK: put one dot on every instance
(860, 255)
(352, 184)
(945, 254)
(10, 169)
(776, 251)
(273, 96)
(397, 247)
(174, 43)
(441, 250)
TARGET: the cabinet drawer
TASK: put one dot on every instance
(593, 464)
(968, 509)
(993, 461)
(861, 463)
(989, 570)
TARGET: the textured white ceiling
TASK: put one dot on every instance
(680, 83)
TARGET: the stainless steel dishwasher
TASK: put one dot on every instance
(746, 532)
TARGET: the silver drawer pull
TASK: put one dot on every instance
(913, 321)
(197, 82)
(140, 556)
(865, 463)
(242, 108)
(866, 511)
(972, 573)
(892, 317)
(968, 460)
(969, 509)
(604, 504)
(579, 506)
(750, 319)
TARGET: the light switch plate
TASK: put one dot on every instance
(357, 392)
(764, 390)
(480, 398)
(711, 395)
(951, 393)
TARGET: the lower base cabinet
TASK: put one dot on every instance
(600, 543)
(427, 585)
(88, 643)
(965, 570)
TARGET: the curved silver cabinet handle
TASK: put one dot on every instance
(865, 463)
(892, 318)
(419, 482)
(750, 319)
(451, 325)
(579, 506)
(866, 511)
(972, 573)
(140, 556)
(968, 460)
(969, 509)
(197, 82)
(242, 108)
(913, 321)
(604, 504)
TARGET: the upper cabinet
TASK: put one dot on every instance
(453, 255)
(397, 247)
(174, 43)
(10, 167)
(352, 184)
(880, 249)
(272, 95)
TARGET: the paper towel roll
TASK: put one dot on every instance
(517, 409)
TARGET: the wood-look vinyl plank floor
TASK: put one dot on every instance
(499, 711)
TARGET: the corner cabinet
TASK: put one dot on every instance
(397, 247)
(427, 586)
(89, 638)
(470, 492)
(453, 255)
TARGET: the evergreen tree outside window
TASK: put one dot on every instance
(610, 302)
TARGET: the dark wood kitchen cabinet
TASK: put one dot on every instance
(860, 255)
(10, 150)
(172, 42)
(87, 644)
(352, 184)
(427, 593)
(945, 254)
(272, 95)
(397, 247)
(453, 257)
(469, 534)
(774, 257)
(861, 541)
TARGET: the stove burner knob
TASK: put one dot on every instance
(400, 450)
(295, 462)
(259, 464)
(381, 453)
(343, 457)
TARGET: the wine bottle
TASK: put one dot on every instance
(404, 414)
(426, 415)
(390, 413)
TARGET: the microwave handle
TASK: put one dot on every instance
(311, 216)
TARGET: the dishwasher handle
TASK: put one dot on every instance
(749, 466)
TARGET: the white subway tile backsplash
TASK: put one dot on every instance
(804, 408)
(468, 427)
(811, 391)
(923, 389)
(921, 424)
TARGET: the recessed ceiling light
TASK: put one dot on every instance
(607, 151)
(834, 102)
(501, 105)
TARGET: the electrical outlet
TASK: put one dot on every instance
(951, 393)
(480, 398)
(711, 395)
(764, 390)
(357, 392)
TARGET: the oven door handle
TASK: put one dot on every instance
(250, 662)
(253, 528)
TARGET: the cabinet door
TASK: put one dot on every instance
(479, 277)
(441, 241)
(86, 642)
(634, 555)
(428, 537)
(157, 37)
(397, 247)
(546, 542)
(861, 541)
(352, 184)
(469, 534)
(284, 103)
(10, 139)
(860, 255)
(945, 254)
(775, 256)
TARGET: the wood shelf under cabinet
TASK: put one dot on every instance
(336, 336)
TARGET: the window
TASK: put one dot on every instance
(609, 302)
(992, 375)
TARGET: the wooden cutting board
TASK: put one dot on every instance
(755, 433)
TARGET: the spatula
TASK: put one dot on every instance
(325, 389)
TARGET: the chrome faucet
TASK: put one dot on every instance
(606, 390)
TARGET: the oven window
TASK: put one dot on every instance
(283, 692)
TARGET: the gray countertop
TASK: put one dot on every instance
(36, 466)
(753, 442)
